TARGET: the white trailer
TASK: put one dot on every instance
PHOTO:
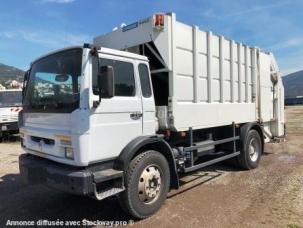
(99, 121)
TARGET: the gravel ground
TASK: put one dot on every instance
(217, 196)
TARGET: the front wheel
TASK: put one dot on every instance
(146, 184)
(251, 152)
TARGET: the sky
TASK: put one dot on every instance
(31, 28)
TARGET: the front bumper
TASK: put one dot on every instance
(99, 180)
(35, 170)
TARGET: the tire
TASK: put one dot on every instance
(252, 150)
(144, 171)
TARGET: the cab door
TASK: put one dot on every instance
(117, 120)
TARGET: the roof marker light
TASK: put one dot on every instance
(159, 20)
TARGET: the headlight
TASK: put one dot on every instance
(69, 153)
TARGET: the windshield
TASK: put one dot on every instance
(54, 83)
(10, 98)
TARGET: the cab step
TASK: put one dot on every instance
(107, 174)
(107, 183)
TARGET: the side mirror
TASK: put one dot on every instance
(106, 82)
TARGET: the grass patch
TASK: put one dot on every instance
(292, 225)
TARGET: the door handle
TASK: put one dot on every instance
(136, 115)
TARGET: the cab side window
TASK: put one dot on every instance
(123, 77)
(144, 80)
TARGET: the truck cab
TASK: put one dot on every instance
(10, 106)
(64, 112)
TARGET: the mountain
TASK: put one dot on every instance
(293, 84)
(10, 73)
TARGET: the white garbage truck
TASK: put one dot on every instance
(144, 104)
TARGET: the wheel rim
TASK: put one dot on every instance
(253, 150)
(149, 184)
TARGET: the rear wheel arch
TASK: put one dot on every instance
(142, 144)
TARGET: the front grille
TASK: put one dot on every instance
(9, 118)
(45, 140)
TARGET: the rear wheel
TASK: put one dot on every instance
(147, 183)
(251, 152)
